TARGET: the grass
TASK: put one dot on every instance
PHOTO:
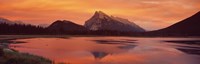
(13, 57)
(8, 56)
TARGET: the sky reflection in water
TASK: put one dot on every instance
(109, 50)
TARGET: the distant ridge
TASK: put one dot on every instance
(4, 20)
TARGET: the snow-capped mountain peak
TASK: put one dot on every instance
(102, 21)
(100, 14)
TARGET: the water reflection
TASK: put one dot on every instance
(99, 55)
(191, 47)
(114, 41)
(110, 50)
(127, 47)
(125, 43)
(189, 42)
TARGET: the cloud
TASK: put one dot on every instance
(150, 14)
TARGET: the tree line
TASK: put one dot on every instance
(20, 29)
(28, 29)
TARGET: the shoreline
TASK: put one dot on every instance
(11, 56)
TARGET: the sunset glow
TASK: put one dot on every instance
(149, 14)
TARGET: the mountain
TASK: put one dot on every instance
(63, 27)
(3, 20)
(187, 27)
(101, 21)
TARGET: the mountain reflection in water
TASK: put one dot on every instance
(111, 50)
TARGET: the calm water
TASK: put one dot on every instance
(112, 50)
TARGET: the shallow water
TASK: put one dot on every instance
(111, 50)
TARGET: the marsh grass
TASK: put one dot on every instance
(13, 57)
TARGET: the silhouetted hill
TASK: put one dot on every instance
(187, 27)
(66, 27)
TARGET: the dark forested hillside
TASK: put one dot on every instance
(6, 29)
(187, 27)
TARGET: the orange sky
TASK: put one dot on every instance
(149, 14)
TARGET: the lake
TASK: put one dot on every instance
(113, 50)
